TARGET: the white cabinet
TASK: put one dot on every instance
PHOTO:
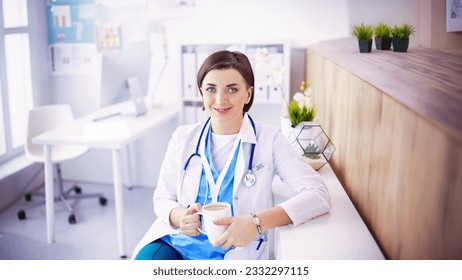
(271, 66)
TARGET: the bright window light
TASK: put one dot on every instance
(2, 127)
(14, 13)
(19, 79)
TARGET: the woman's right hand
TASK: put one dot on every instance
(189, 221)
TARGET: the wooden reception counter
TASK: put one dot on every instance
(396, 121)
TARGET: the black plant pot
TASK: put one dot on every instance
(400, 44)
(382, 43)
(365, 46)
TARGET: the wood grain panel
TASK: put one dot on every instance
(401, 168)
(426, 81)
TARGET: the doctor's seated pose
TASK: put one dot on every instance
(228, 158)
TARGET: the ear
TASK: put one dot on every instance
(249, 94)
(202, 99)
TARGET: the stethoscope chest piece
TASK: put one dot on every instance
(249, 180)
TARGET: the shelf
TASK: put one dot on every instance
(426, 81)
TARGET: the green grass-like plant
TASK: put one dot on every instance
(382, 30)
(312, 151)
(298, 115)
(363, 31)
(404, 30)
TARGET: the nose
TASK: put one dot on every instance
(221, 96)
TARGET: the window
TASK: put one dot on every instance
(14, 13)
(19, 84)
(2, 127)
(15, 77)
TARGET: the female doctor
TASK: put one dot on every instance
(233, 159)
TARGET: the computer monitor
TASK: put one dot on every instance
(125, 76)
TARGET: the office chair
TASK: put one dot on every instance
(44, 118)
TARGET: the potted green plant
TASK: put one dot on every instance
(364, 34)
(401, 34)
(299, 114)
(382, 32)
(306, 135)
(301, 109)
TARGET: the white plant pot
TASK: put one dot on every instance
(286, 126)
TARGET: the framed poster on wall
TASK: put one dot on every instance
(71, 37)
(453, 15)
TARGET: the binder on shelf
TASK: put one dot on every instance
(261, 88)
(200, 57)
(275, 93)
(189, 76)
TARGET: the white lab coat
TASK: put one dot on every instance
(273, 156)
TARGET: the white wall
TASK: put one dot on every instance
(220, 21)
(301, 22)
(304, 22)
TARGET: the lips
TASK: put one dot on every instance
(222, 110)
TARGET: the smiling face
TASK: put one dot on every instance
(224, 94)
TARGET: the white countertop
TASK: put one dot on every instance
(340, 234)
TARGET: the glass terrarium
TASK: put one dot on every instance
(310, 140)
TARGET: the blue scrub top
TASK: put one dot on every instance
(199, 247)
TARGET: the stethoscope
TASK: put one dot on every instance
(249, 180)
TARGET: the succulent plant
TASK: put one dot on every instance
(312, 151)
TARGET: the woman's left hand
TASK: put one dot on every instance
(241, 231)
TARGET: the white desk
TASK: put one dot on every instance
(71, 134)
(340, 234)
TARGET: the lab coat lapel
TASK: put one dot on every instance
(193, 174)
(247, 138)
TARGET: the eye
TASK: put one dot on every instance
(210, 89)
(233, 90)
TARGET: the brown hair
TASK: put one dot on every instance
(223, 60)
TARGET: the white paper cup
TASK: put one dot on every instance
(211, 212)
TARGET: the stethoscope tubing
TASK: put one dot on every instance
(197, 146)
(196, 153)
(252, 150)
